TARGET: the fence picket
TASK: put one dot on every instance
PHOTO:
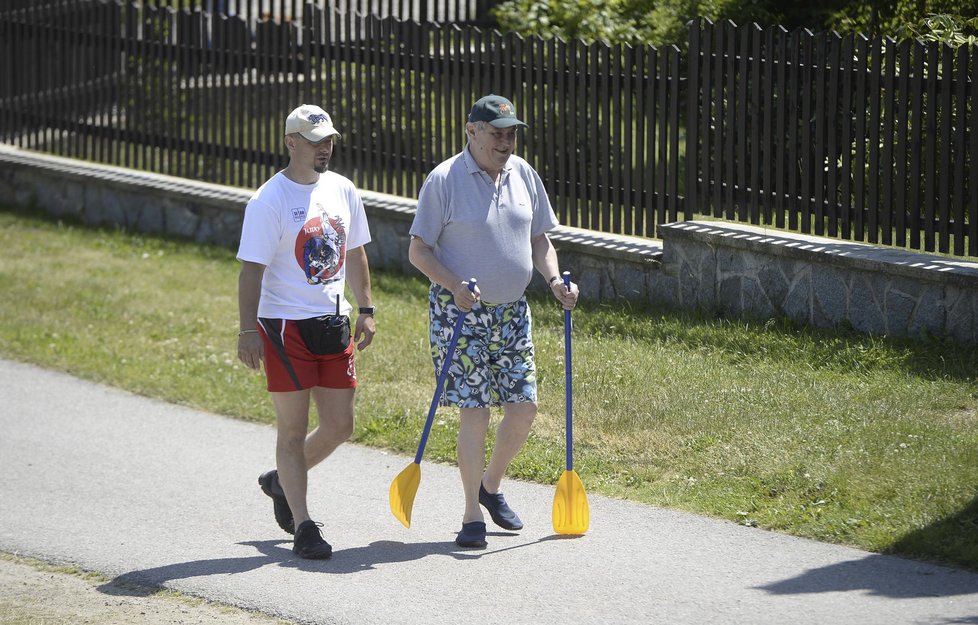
(901, 131)
(972, 125)
(887, 166)
(930, 154)
(945, 121)
(916, 152)
(958, 201)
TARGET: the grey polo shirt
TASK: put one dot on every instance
(478, 232)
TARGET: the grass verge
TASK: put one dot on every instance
(834, 436)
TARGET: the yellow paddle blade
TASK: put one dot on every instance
(403, 489)
(570, 513)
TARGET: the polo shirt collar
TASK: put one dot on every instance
(473, 168)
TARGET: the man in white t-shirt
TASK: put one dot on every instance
(484, 214)
(301, 243)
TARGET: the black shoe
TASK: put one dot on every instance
(309, 542)
(502, 515)
(473, 535)
(283, 513)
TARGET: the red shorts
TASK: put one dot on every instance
(290, 366)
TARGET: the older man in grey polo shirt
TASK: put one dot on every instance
(484, 214)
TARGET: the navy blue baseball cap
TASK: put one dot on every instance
(496, 110)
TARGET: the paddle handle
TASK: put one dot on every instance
(568, 381)
(459, 322)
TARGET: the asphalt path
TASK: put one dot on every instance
(157, 494)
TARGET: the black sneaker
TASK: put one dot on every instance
(473, 535)
(283, 513)
(309, 542)
(502, 515)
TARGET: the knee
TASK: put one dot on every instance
(340, 429)
(344, 430)
(292, 442)
(474, 418)
(524, 412)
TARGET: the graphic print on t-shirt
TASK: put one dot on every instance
(320, 247)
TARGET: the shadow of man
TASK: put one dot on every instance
(272, 552)
(954, 539)
(142, 582)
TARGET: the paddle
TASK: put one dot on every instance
(570, 511)
(405, 485)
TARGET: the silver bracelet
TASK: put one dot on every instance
(243, 332)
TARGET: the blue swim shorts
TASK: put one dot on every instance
(493, 363)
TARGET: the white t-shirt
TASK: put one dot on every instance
(301, 234)
(479, 231)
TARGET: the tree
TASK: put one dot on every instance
(663, 22)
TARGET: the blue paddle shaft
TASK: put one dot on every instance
(568, 381)
(459, 322)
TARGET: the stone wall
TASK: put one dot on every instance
(605, 266)
(727, 268)
(747, 271)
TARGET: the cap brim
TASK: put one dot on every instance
(320, 133)
(507, 122)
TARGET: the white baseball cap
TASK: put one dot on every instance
(311, 122)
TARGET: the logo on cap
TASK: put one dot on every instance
(317, 119)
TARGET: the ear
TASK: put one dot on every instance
(469, 129)
(289, 142)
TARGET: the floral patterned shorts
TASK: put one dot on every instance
(493, 362)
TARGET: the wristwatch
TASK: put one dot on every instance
(367, 310)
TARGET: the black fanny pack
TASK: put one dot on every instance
(329, 334)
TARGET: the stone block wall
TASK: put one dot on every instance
(725, 268)
(747, 271)
(605, 266)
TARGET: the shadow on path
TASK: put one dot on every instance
(878, 576)
(279, 553)
(891, 576)
(953, 538)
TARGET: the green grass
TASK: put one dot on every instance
(834, 436)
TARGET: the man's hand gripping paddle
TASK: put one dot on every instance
(570, 512)
(405, 485)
